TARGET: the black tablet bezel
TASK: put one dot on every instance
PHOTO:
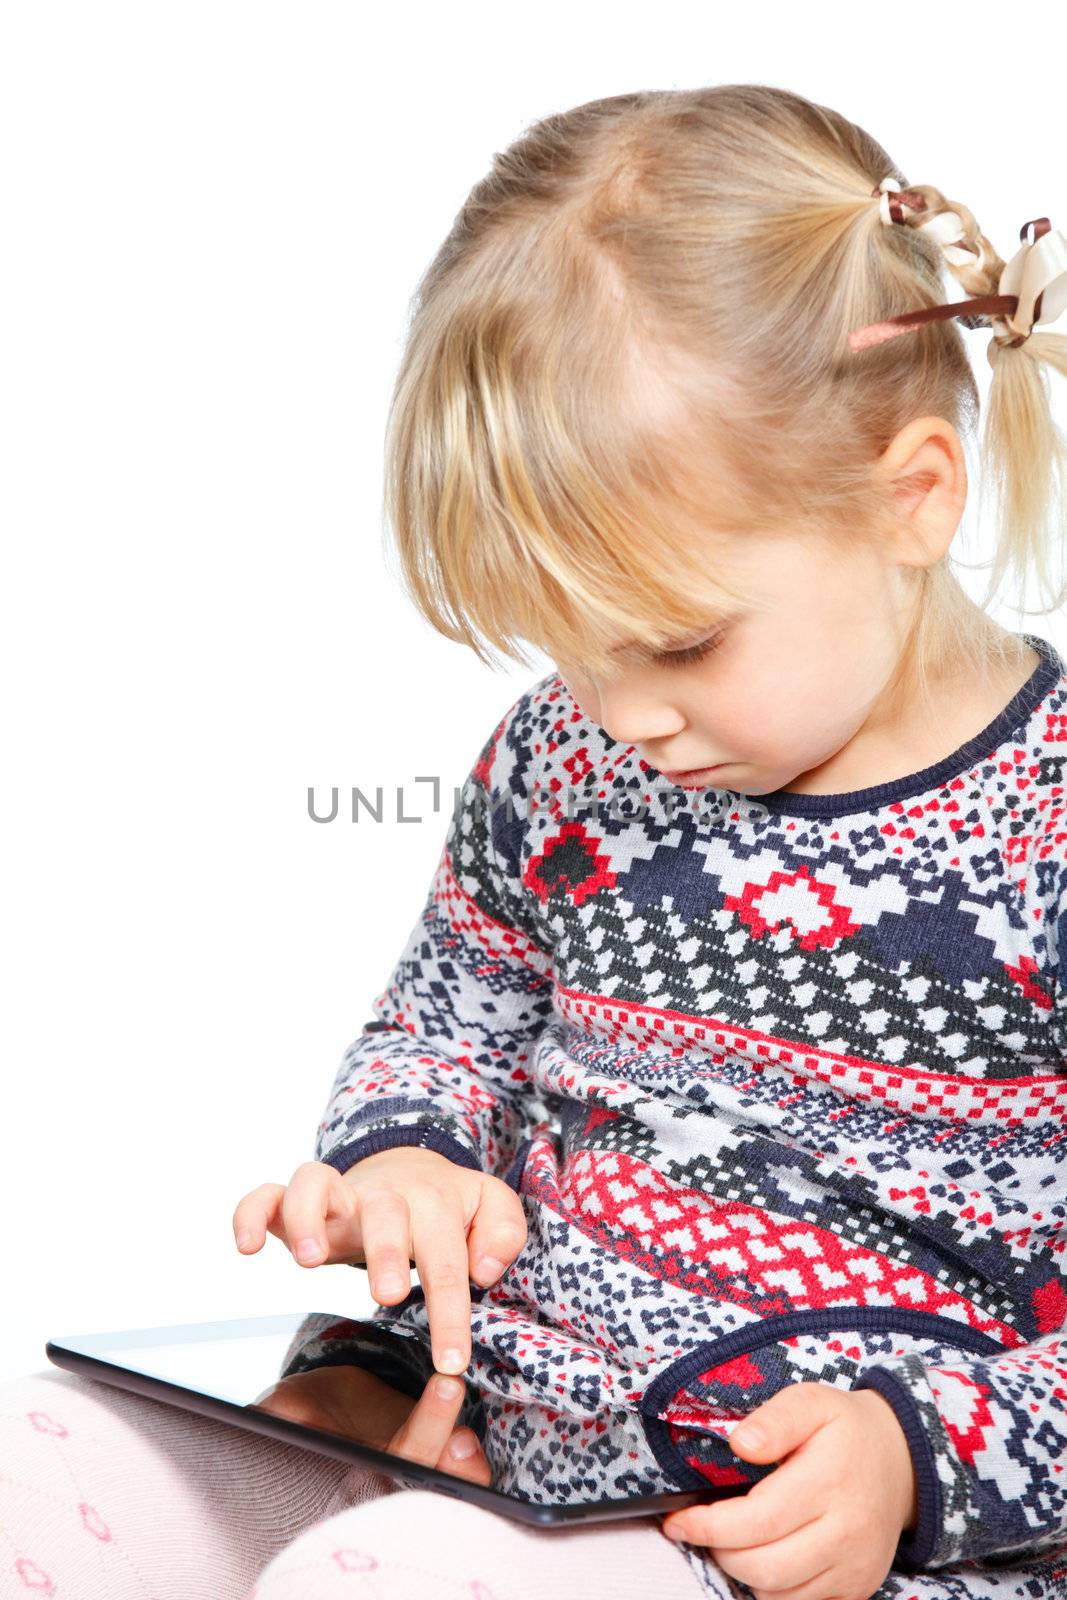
(412, 1474)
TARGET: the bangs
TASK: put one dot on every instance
(563, 502)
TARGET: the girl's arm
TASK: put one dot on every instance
(445, 1062)
(988, 1441)
(988, 1434)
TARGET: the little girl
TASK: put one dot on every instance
(718, 1095)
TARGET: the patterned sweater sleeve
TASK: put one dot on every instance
(444, 1062)
(988, 1434)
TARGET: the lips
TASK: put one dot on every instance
(692, 777)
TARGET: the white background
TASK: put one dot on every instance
(214, 215)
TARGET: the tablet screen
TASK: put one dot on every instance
(359, 1379)
(341, 1375)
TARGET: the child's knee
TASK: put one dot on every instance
(419, 1545)
(43, 1415)
(57, 1532)
(109, 1493)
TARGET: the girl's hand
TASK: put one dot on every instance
(826, 1522)
(363, 1407)
(398, 1207)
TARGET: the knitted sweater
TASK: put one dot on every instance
(781, 1081)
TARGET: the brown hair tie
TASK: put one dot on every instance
(1032, 286)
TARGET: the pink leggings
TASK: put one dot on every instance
(106, 1495)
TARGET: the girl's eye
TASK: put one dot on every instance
(692, 652)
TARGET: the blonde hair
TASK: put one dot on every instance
(640, 320)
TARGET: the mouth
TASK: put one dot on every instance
(693, 777)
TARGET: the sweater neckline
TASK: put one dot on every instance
(1022, 705)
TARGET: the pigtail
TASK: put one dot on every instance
(1024, 462)
(1023, 480)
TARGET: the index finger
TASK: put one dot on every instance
(777, 1505)
(427, 1428)
(439, 1247)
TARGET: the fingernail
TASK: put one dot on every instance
(462, 1446)
(244, 1239)
(749, 1436)
(389, 1283)
(490, 1267)
(448, 1388)
(673, 1532)
(450, 1361)
(308, 1250)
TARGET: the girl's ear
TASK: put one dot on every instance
(926, 471)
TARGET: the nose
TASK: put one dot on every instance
(634, 716)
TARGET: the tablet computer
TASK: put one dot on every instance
(345, 1386)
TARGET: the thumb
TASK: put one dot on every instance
(783, 1422)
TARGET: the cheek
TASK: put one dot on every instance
(741, 710)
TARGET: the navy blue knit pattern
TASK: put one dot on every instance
(781, 1081)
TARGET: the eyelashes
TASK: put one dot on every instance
(692, 652)
(665, 658)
